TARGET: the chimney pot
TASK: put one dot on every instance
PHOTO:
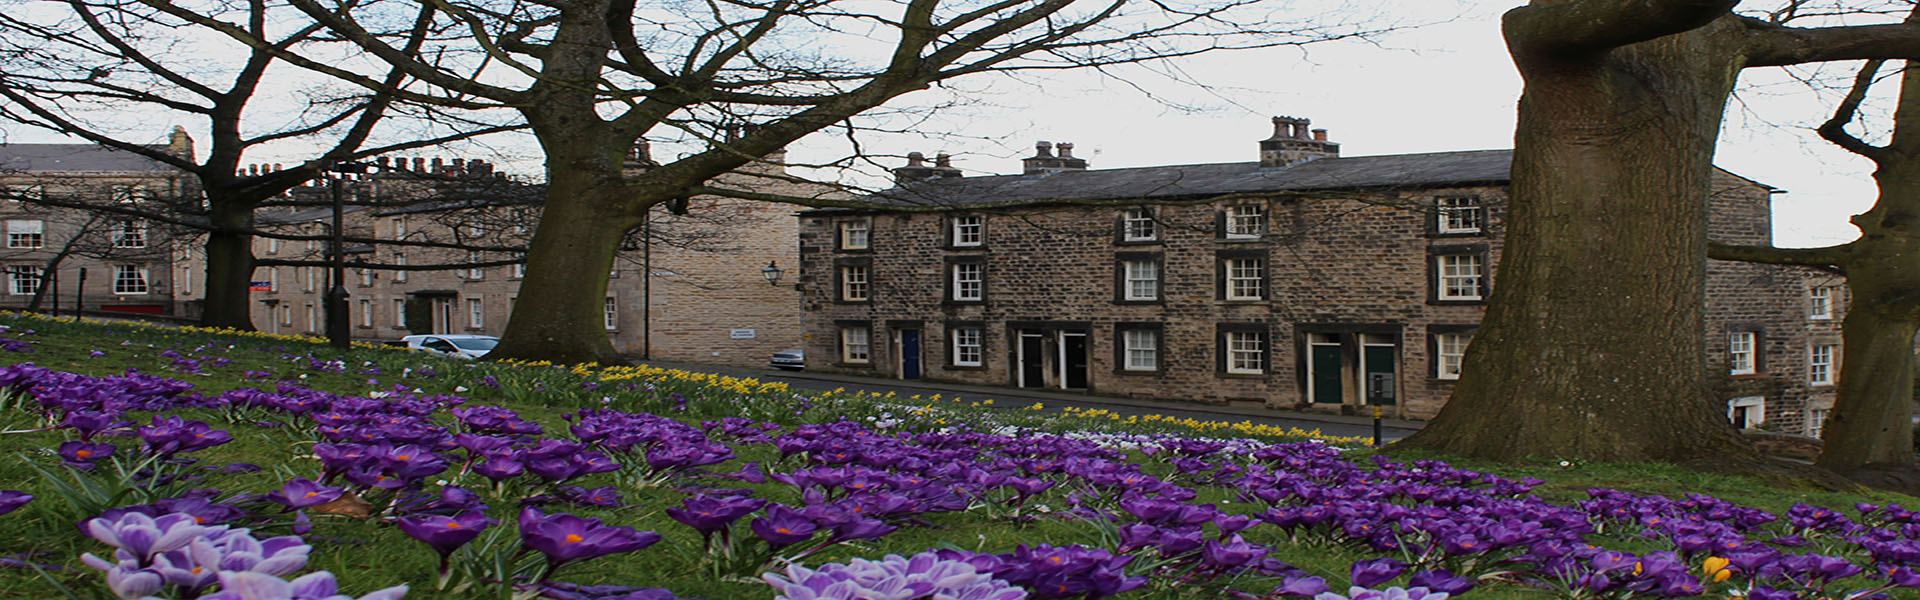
(943, 160)
(1043, 149)
(1066, 149)
(916, 159)
(1319, 135)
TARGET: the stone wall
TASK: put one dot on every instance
(1347, 271)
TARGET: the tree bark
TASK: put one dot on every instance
(1871, 426)
(560, 313)
(1592, 346)
(229, 276)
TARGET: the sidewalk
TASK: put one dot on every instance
(983, 392)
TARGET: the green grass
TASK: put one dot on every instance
(369, 555)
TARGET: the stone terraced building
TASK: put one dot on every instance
(1302, 280)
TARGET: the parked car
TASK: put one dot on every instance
(790, 360)
(457, 345)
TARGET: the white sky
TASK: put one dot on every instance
(1439, 88)
(1436, 88)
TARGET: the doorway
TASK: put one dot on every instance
(1324, 367)
(1030, 356)
(1073, 360)
(909, 353)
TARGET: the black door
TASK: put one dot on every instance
(1033, 368)
(1073, 370)
(909, 354)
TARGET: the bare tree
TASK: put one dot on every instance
(1604, 359)
(83, 69)
(593, 77)
(1870, 430)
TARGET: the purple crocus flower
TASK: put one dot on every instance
(1301, 586)
(11, 500)
(707, 514)
(925, 575)
(144, 536)
(303, 493)
(567, 538)
(445, 534)
(89, 423)
(782, 527)
(321, 585)
(1375, 571)
(1441, 580)
(169, 435)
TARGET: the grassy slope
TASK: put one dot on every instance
(371, 555)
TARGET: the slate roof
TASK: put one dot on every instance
(1201, 181)
(74, 158)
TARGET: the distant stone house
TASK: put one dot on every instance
(1302, 280)
(686, 287)
(95, 261)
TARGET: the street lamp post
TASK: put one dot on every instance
(338, 334)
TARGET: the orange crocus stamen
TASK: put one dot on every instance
(574, 537)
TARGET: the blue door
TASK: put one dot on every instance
(909, 354)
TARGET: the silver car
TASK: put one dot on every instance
(790, 360)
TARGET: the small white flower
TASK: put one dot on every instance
(459, 388)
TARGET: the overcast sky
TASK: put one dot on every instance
(1434, 88)
(1438, 88)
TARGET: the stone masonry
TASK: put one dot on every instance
(1368, 270)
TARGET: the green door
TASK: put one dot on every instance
(1379, 377)
(1325, 373)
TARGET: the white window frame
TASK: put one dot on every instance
(1140, 349)
(400, 312)
(856, 283)
(1756, 413)
(1821, 364)
(856, 234)
(26, 234)
(967, 347)
(1138, 225)
(309, 277)
(476, 313)
(1459, 276)
(1458, 214)
(1742, 353)
(1140, 279)
(856, 344)
(612, 316)
(1246, 221)
(273, 279)
(519, 271)
(366, 312)
(25, 280)
(131, 280)
(969, 230)
(1449, 353)
(273, 246)
(1821, 297)
(1245, 351)
(969, 281)
(399, 275)
(475, 273)
(313, 319)
(1817, 422)
(129, 233)
(400, 227)
(366, 277)
(1246, 279)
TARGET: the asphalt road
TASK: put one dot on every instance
(1013, 398)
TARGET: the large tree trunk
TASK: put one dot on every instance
(229, 268)
(1871, 426)
(560, 313)
(1872, 420)
(1594, 333)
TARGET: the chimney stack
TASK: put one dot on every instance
(917, 169)
(1293, 143)
(1044, 161)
